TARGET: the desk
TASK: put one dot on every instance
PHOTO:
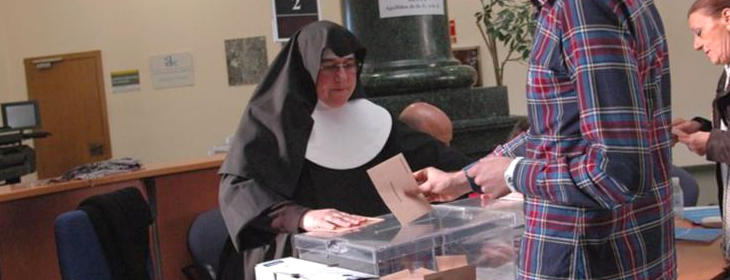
(698, 261)
(177, 191)
(180, 192)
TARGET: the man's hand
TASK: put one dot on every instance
(329, 219)
(489, 174)
(696, 142)
(437, 185)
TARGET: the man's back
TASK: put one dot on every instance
(595, 175)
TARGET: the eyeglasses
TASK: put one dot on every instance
(331, 69)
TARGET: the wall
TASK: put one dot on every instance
(172, 124)
(4, 88)
(153, 125)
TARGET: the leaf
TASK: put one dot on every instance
(510, 23)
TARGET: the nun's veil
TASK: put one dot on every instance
(271, 140)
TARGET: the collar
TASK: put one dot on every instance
(349, 136)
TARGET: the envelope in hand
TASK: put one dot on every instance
(392, 179)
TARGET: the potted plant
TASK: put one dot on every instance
(511, 23)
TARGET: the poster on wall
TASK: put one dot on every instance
(172, 70)
(291, 15)
(402, 8)
(125, 81)
(246, 60)
(470, 56)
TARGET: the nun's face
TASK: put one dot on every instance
(336, 80)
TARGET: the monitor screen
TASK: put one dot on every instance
(20, 115)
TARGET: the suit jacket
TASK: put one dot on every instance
(718, 146)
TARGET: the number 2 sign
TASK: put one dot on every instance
(291, 15)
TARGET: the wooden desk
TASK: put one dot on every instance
(177, 192)
(698, 261)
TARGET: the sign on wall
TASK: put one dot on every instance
(172, 70)
(401, 8)
(291, 15)
(125, 81)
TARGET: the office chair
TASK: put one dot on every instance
(80, 255)
(206, 238)
(688, 183)
(106, 239)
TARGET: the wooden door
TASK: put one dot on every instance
(69, 89)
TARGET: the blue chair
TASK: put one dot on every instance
(80, 255)
(107, 239)
(206, 238)
(688, 183)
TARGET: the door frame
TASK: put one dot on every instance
(101, 90)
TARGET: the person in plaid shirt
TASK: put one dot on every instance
(595, 173)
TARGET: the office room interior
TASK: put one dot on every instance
(167, 125)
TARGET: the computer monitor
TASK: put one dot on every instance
(20, 115)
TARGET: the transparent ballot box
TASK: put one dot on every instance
(483, 237)
(510, 204)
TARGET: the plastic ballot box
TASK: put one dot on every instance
(483, 237)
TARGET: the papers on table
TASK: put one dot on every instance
(696, 215)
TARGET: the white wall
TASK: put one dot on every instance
(4, 88)
(153, 125)
(172, 124)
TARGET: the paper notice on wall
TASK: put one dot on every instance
(172, 70)
(124, 81)
(402, 8)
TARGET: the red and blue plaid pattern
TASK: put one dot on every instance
(597, 154)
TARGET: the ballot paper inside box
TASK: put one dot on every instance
(484, 237)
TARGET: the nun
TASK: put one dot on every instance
(298, 160)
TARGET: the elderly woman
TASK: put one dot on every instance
(709, 21)
(299, 158)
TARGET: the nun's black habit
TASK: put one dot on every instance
(267, 184)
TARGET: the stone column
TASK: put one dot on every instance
(407, 53)
(409, 59)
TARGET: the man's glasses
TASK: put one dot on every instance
(330, 69)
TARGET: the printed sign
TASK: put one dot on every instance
(124, 81)
(402, 8)
(172, 70)
(291, 15)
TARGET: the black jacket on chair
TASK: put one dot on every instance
(121, 220)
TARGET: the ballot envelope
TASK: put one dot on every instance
(485, 237)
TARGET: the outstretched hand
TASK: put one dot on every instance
(488, 173)
(440, 186)
(329, 219)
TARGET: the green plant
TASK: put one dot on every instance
(511, 23)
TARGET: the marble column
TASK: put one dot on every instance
(409, 59)
(405, 53)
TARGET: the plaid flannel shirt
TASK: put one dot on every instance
(597, 154)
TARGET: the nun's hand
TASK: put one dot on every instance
(328, 220)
